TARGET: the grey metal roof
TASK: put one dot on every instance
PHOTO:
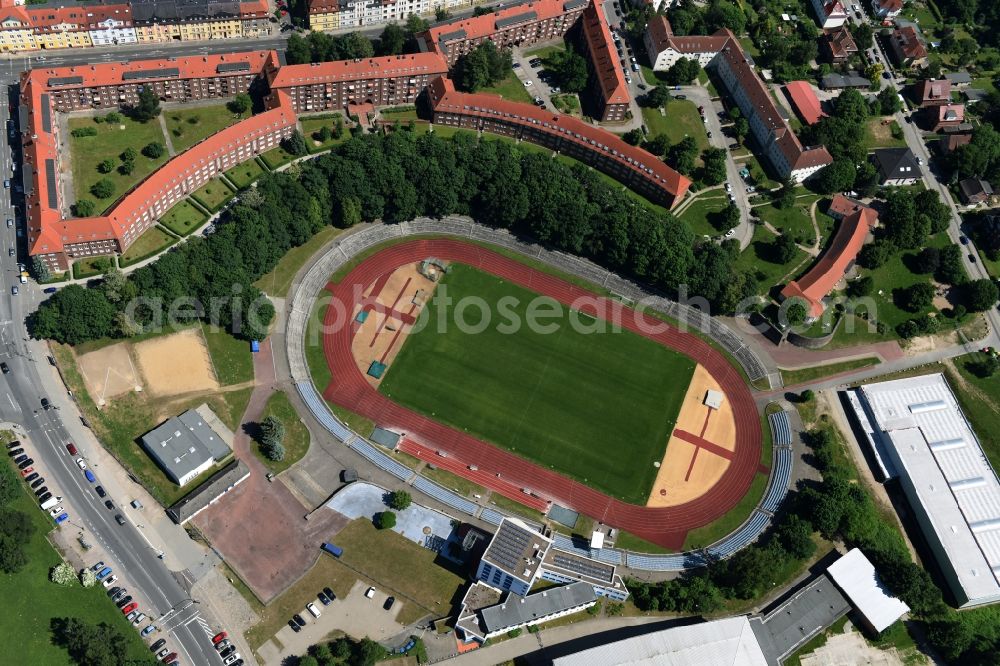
(842, 81)
(23, 111)
(46, 113)
(214, 486)
(974, 94)
(184, 443)
(959, 77)
(517, 610)
(50, 180)
(796, 620)
(143, 75)
(581, 566)
(232, 67)
(57, 81)
(524, 17)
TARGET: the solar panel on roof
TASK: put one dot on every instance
(514, 20)
(50, 179)
(46, 115)
(451, 36)
(163, 73)
(233, 67)
(57, 81)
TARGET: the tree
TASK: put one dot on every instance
(785, 197)
(274, 451)
(863, 286)
(807, 396)
(683, 154)
(876, 253)
(272, 431)
(295, 144)
(928, 260)
(888, 100)
(441, 14)
(657, 97)
(40, 269)
(980, 295)
(863, 35)
(89, 644)
(481, 67)
(837, 176)
(950, 269)
(984, 367)
(62, 574)
(83, 208)
(683, 72)
(103, 188)
(783, 249)
(106, 166)
(297, 51)
(153, 150)
(730, 217)
(570, 70)
(385, 520)
(633, 137)
(715, 165)
(88, 578)
(125, 168)
(148, 106)
(128, 155)
(916, 297)
(400, 500)
(796, 313)
(795, 536)
(392, 40)
(741, 127)
(240, 104)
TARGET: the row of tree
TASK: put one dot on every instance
(16, 528)
(93, 644)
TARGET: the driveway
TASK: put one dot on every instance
(355, 615)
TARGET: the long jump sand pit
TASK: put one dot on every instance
(700, 447)
(176, 363)
(391, 305)
(108, 372)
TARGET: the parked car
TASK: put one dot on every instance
(110, 580)
(313, 609)
(129, 608)
(964, 240)
(37, 482)
(81, 464)
(113, 591)
(169, 658)
(119, 519)
(19, 456)
(4, 368)
(157, 645)
(222, 645)
(41, 491)
(138, 619)
(100, 491)
(388, 603)
(103, 573)
(56, 511)
(219, 636)
(124, 601)
(27, 471)
(90, 476)
(295, 627)
(148, 630)
(71, 448)
(298, 620)
(323, 599)
(26, 463)
(61, 518)
(329, 593)
(231, 659)
(131, 616)
(13, 445)
(162, 653)
(680, 96)
(97, 567)
(370, 592)
(228, 651)
(109, 504)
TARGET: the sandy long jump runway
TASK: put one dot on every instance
(666, 526)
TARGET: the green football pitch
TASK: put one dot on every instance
(597, 407)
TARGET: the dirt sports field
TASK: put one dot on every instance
(176, 363)
(109, 372)
(664, 525)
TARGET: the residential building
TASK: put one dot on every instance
(950, 142)
(190, 20)
(918, 429)
(887, 9)
(975, 191)
(937, 118)
(839, 45)
(907, 49)
(856, 222)
(187, 445)
(324, 15)
(571, 136)
(665, 49)
(931, 92)
(843, 81)
(56, 240)
(518, 25)
(857, 579)
(973, 95)
(805, 101)
(829, 13)
(896, 166)
(481, 623)
(608, 88)
(384, 81)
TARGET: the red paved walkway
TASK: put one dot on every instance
(666, 526)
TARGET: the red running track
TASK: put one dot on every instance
(666, 526)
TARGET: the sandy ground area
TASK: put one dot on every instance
(177, 363)
(689, 471)
(398, 299)
(108, 372)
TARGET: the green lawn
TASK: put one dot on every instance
(151, 241)
(512, 89)
(119, 424)
(231, 358)
(279, 280)
(512, 389)
(296, 434)
(213, 194)
(402, 114)
(545, 52)
(757, 260)
(31, 601)
(629, 541)
(92, 266)
(313, 124)
(183, 218)
(794, 220)
(727, 524)
(111, 141)
(277, 157)
(878, 135)
(190, 126)
(802, 375)
(681, 120)
(980, 400)
(700, 212)
(244, 174)
(453, 481)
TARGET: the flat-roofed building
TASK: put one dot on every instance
(512, 560)
(184, 446)
(950, 486)
(857, 579)
(514, 612)
(571, 136)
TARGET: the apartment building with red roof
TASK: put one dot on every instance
(57, 240)
(665, 48)
(829, 13)
(887, 9)
(839, 45)
(931, 92)
(519, 25)
(607, 81)
(939, 118)
(834, 263)
(381, 81)
(907, 48)
(571, 136)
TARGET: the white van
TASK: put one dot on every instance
(311, 607)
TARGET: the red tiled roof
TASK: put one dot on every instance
(827, 271)
(908, 43)
(324, 6)
(842, 206)
(351, 70)
(841, 42)
(477, 27)
(951, 113)
(660, 32)
(891, 5)
(603, 57)
(446, 99)
(805, 101)
(938, 90)
(663, 38)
